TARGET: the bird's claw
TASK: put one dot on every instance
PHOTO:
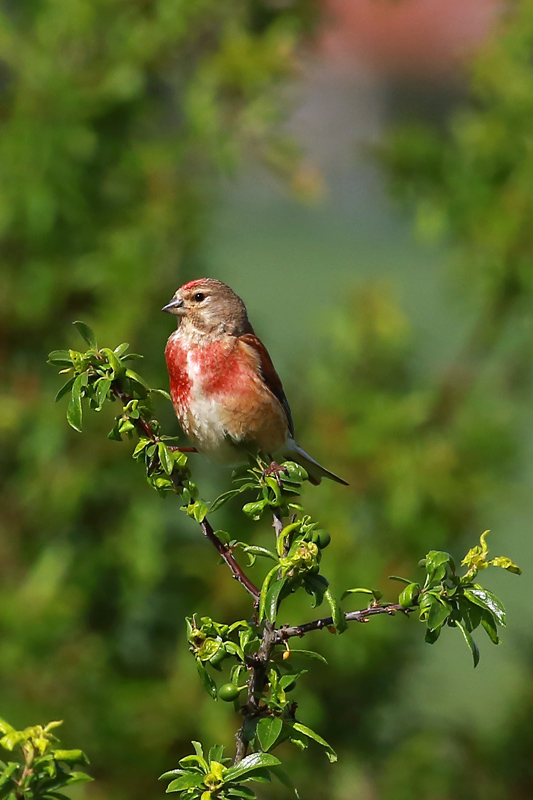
(274, 470)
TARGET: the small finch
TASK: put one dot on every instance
(226, 393)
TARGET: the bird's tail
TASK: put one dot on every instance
(315, 470)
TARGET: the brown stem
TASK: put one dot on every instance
(229, 558)
(144, 427)
(288, 631)
(256, 685)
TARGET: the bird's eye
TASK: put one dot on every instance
(199, 297)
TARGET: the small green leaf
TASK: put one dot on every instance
(264, 591)
(358, 590)
(61, 358)
(64, 389)
(78, 777)
(86, 333)
(489, 624)
(207, 681)
(165, 458)
(268, 730)
(330, 752)
(438, 613)
(13, 738)
(409, 595)
(74, 410)
(470, 642)
(102, 389)
(116, 365)
(308, 654)
(222, 499)
(70, 756)
(254, 510)
(272, 599)
(134, 376)
(506, 563)
(216, 752)
(187, 781)
(482, 597)
(339, 620)
(249, 764)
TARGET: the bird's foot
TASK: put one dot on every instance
(275, 470)
(183, 449)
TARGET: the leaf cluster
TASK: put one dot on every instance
(448, 599)
(201, 778)
(41, 769)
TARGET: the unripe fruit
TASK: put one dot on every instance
(229, 692)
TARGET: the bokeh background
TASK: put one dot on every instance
(361, 172)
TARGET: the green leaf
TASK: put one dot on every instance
(241, 791)
(70, 756)
(134, 376)
(308, 654)
(187, 781)
(489, 624)
(358, 590)
(102, 388)
(506, 563)
(74, 410)
(438, 613)
(61, 358)
(197, 510)
(330, 752)
(254, 510)
(339, 620)
(470, 642)
(207, 681)
(165, 458)
(5, 727)
(13, 738)
(116, 365)
(64, 389)
(222, 499)
(78, 777)
(397, 578)
(482, 597)
(249, 764)
(268, 730)
(216, 752)
(264, 591)
(86, 333)
(272, 599)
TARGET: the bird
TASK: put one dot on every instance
(226, 393)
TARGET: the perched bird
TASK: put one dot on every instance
(226, 393)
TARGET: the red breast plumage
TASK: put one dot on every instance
(226, 393)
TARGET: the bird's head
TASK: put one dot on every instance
(209, 306)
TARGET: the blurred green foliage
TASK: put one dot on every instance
(117, 118)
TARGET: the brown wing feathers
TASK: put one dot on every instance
(270, 376)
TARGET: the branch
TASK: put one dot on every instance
(256, 686)
(229, 558)
(288, 631)
(144, 427)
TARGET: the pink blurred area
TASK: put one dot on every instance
(410, 38)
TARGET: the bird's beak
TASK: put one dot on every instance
(174, 307)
